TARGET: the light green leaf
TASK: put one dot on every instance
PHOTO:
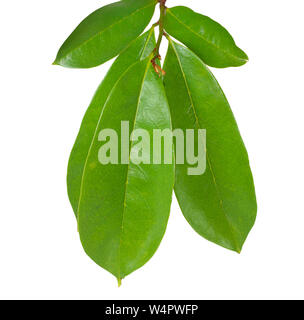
(139, 49)
(205, 37)
(105, 33)
(220, 204)
(123, 209)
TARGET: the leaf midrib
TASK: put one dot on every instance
(128, 167)
(207, 156)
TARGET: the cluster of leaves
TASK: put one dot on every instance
(122, 210)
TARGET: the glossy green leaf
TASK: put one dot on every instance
(220, 204)
(139, 49)
(124, 208)
(105, 33)
(205, 37)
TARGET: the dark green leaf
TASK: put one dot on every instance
(139, 49)
(105, 33)
(205, 37)
(220, 204)
(123, 209)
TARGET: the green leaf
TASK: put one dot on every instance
(205, 37)
(124, 208)
(105, 33)
(137, 50)
(220, 204)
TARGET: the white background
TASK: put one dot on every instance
(41, 108)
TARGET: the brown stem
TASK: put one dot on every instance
(162, 7)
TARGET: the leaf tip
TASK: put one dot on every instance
(244, 57)
(246, 60)
(238, 249)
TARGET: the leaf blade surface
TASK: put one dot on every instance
(124, 209)
(105, 33)
(205, 37)
(220, 204)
